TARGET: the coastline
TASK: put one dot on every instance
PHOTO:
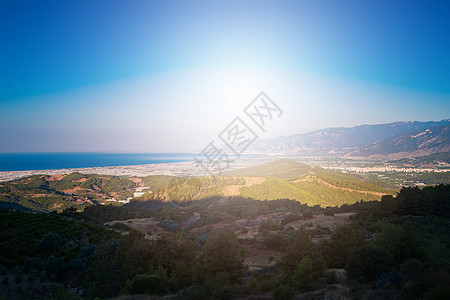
(181, 169)
(173, 169)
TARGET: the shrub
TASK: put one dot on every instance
(331, 277)
(220, 286)
(342, 240)
(308, 213)
(49, 243)
(368, 262)
(438, 292)
(3, 270)
(269, 225)
(169, 225)
(32, 265)
(222, 253)
(412, 269)
(147, 284)
(121, 227)
(290, 218)
(275, 242)
(307, 272)
(283, 292)
(299, 247)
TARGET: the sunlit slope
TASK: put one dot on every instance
(280, 179)
(286, 169)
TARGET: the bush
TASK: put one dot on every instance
(307, 272)
(49, 243)
(220, 286)
(222, 253)
(275, 242)
(3, 270)
(299, 247)
(412, 269)
(308, 213)
(437, 293)
(331, 277)
(169, 225)
(343, 239)
(368, 262)
(32, 265)
(121, 227)
(147, 284)
(289, 219)
(283, 292)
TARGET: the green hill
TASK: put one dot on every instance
(286, 169)
(45, 193)
(279, 179)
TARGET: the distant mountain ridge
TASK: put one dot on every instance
(417, 143)
(340, 140)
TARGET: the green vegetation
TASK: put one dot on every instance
(44, 193)
(315, 186)
(311, 192)
(286, 169)
(155, 182)
(225, 247)
(189, 189)
(396, 247)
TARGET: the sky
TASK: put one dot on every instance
(169, 76)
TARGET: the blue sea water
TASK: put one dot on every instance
(45, 161)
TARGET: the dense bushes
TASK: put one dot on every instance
(342, 240)
(222, 253)
(153, 284)
(368, 262)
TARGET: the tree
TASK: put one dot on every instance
(222, 253)
(299, 247)
(147, 284)
(342, 240)
(49, 243)
(368, 262)
(307, 272)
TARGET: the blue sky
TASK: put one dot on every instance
(157, 76)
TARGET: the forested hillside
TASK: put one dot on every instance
(394, 248)
(47, 193)
(279, 179)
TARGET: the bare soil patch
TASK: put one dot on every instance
(330, 222)
(54, 177)
(144, 225)
(80, 180)
(258, 256)
(73, 190)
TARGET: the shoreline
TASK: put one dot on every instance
(172, 169)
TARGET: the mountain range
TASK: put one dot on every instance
(391, 140)
(411, 144)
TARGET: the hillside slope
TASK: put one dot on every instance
(339, 140)
(279, 179)
(417, 143)
(287, 169)
(45, 193)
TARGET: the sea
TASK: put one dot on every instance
(46, 161)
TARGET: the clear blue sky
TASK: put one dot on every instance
(65, 62)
